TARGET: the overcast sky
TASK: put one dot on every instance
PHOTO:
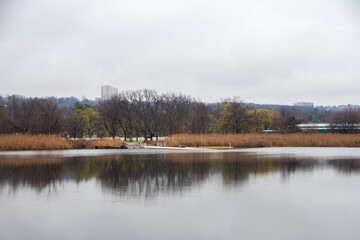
(263, 51)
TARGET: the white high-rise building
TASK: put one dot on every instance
(107, 92)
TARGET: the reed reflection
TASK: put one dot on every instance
(346, 166)
(150, 175)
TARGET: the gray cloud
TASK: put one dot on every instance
(263, 51)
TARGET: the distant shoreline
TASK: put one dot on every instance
(23, 142)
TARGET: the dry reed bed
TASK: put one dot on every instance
(265, 140)
(15, 142)
(92, 143)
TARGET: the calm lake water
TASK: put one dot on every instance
(270, 193)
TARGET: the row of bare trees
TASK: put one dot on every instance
(148, 114)
(36, 116)
(141, 113)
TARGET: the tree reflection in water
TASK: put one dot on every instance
(150, 175)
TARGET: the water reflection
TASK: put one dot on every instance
(150, 175)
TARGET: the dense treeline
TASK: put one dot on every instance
(148, 114)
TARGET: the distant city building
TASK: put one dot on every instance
(348, 107)
(107, 92)
(304, 104)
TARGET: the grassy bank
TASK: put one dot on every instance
(16, 142)
(265, 140)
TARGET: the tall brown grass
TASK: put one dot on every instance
(265, 140)
(93, 143)
(16, 142)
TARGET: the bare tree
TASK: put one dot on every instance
(47, 117)
(177, 108)
(111, 114)
(346, 121)
(75, 127)
(287, 122)
(152, 113)
(198, 118)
